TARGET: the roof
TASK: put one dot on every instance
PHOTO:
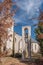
(33, 41)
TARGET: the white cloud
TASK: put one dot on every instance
(29, 5)
(17, 20)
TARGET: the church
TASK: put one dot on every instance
(23, 44)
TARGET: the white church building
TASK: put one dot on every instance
(23, 43)
(19, 45)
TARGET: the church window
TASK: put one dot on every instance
(35, 46)
(32, 47)
(15, 39)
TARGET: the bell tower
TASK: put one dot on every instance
(26, 35)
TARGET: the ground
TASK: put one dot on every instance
(11, 61)
(15, 61)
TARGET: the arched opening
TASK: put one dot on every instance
(26, 35)
(26, 42)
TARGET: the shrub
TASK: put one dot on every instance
(18, 55)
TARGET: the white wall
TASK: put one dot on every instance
(17, 43)
(20, 42)
(35, 47)
(10, 39)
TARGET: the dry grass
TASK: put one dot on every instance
(11, 61)
(15, 61)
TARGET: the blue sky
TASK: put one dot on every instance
(27, 9)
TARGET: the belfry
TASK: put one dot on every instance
(26, 36)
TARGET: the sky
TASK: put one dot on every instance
(27, 9)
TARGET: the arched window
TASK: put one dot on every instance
(20, 46)
(15, 39)
(26, 35)
(32, 47)
(35, 46)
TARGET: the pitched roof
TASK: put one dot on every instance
(33, 41)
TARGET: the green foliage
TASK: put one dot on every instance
(39, 35)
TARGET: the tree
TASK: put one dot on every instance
(6, 22)
(39, 32)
